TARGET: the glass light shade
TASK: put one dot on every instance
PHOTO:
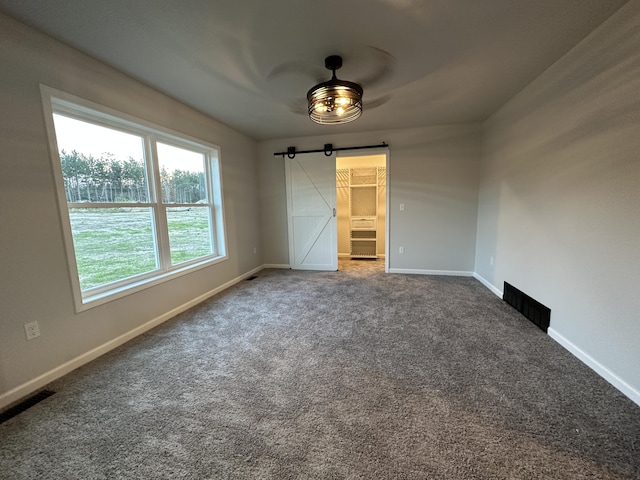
(335, 102)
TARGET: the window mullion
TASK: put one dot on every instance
(159, 210)
(215, 202)
(211, 200)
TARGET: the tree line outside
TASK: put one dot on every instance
(110, 180)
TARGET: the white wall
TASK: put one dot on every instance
(33, 271)
(433, 171)
(559, 201)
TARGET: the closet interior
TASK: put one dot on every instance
(361, 199)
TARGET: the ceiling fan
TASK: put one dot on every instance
(334, 101)
(337, 101)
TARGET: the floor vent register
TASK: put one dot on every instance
(530, 308)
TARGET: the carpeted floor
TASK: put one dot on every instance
(354, 374)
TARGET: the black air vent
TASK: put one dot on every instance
(530, 308)
(24, 405)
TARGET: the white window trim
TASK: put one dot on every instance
(117, 120)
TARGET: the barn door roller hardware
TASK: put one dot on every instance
(328, 150)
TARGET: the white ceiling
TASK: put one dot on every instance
(454, 61)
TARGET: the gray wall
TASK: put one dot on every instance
(433, 171)
(559, 202)
(34, 276)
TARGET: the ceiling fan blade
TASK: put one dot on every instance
(385, 64)
(299, 68)
(376, 102)
(299, 107)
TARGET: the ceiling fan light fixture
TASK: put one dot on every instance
(335, 101)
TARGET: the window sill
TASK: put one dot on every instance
(88, 302)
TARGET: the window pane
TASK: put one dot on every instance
(182, 175)
(141, 210)
(189, 236)
(112, 244)
(100, 164)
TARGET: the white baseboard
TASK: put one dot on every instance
(487, 284)
(604, 372)
(276, 265)
(33, 385)
(37, 383)
(449, 273)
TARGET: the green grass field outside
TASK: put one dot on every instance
(114, 244)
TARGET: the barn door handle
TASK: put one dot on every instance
(334, 212)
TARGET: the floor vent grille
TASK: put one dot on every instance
(252, 277)
(25, 405)
(530, 308)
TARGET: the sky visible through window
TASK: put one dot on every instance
(98, 141)
(173, 158)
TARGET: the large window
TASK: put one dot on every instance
(140, 204)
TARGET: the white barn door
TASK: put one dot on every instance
(311, 211)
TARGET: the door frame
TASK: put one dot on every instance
(387, 218)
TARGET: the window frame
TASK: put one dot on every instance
(58, 102)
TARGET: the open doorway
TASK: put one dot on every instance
(361, 204)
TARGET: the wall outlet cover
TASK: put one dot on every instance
(32, 330)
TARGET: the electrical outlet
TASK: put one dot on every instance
(32, 330)
(491, 261)
(255, 250)
(401, 250)
(402, 207)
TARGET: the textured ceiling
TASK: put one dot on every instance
(249, 63)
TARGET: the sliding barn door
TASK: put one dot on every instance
(311, 211)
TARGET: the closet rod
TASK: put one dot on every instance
(328, 149)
